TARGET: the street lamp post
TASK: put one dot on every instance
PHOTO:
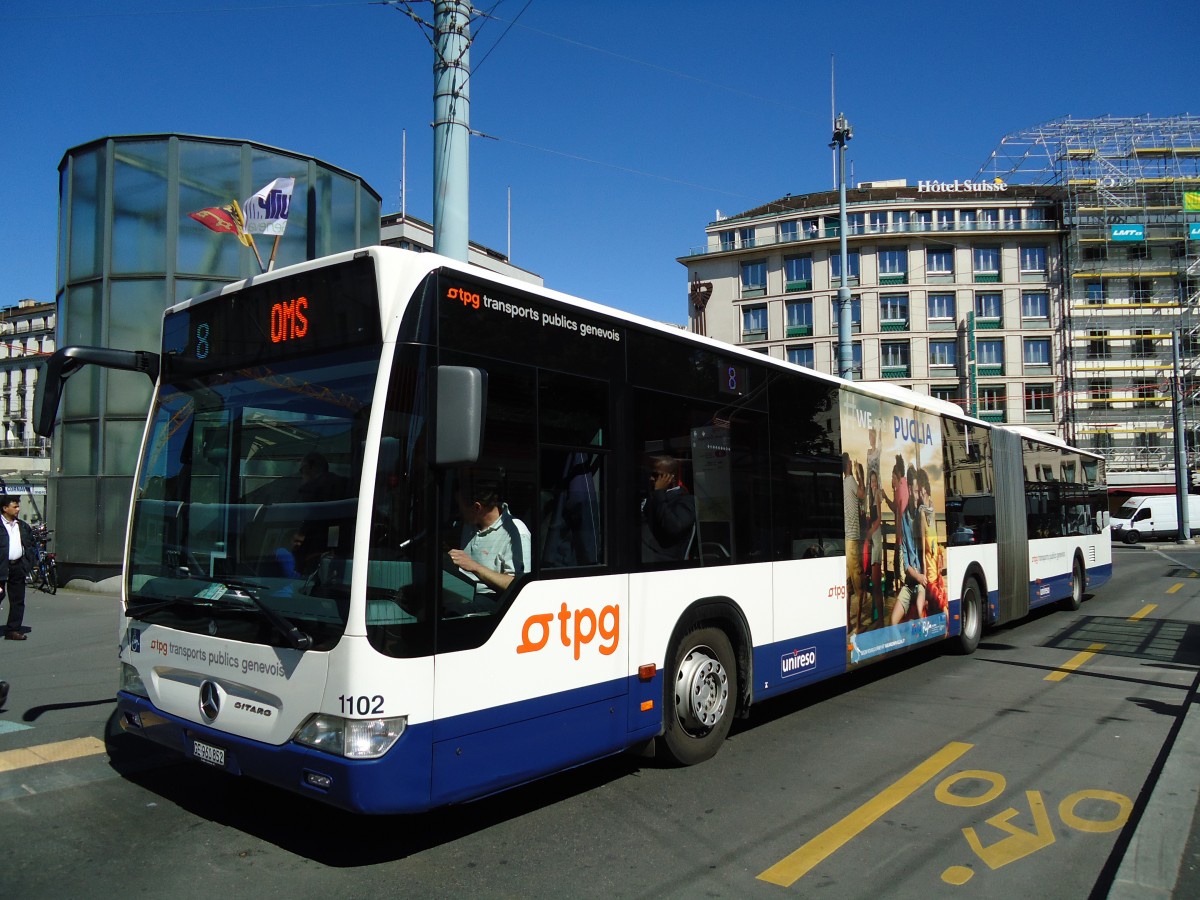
(842, 133)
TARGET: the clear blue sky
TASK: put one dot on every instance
(622, 126)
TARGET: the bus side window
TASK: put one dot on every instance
(573, 436)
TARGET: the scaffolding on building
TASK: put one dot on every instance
(1131, 209)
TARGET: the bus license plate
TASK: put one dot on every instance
(214, 756)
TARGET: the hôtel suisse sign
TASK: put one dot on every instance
(961, 187)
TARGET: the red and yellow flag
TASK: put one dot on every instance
(216, 219)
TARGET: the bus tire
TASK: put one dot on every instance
(970, 617)
(699, 696)
(1078, 580)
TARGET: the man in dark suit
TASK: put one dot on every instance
(18, 556)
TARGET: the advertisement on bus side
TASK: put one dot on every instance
(894, 502)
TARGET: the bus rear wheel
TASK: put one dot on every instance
(970, 617)
(1075, 601)
(700, 695)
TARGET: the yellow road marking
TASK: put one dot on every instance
(1173, 588)
(1074, 663)
(1143, 612)
(795, 865)
(11, 760)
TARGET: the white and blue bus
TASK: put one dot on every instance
(290, 611)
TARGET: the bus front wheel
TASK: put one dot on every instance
(699, 696)
(971, 617)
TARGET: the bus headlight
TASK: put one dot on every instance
(131, 681)
(351, 738)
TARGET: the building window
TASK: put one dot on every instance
(1035, 217)
(1097, 345)
(939, 262)
(900, 220)
(966, 219)
(924, 220)
(1100, 389)
(893, 266)
(988, 310)
(941, 306)
(991, 219)
(992, 402)
(854, 223)
(1146, 392)
(754, 323)
(855, 314)
(1143, 344)
(797, 273)
(799, 318)
(946, 392)
(878, 222)
(1037, 353)
(835, 268)
(945, 220)
(893, 359)
(893, 312)
(1137, 251)
(811, 228)
(802, 355)
(754, 278)
(1093, 292)
(856, 358)
(989, 355)
(1141, 290)
(1095, 253)
(728, 240)
(1039, 398)
(1012, 219)
(789, 231)
(1033, 260)
(747, 236)
(943, 354)
(1035, 305)
(987, 263)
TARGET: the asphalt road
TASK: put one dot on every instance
(1022, 770)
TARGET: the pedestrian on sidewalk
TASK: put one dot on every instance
(17, 559)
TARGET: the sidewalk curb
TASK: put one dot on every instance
(1151, 865)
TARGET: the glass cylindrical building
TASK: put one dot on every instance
(127, 250)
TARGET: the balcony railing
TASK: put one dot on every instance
(830, 232)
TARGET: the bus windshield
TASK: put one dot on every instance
(244, 509)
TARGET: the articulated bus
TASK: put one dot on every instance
(290, 611)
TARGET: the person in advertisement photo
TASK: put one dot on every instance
(895, 547)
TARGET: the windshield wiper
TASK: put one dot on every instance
(297, 638)
(136, 612)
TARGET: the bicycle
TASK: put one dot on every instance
(44, 576)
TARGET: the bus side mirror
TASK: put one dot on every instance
(461, 405)
(65, 362)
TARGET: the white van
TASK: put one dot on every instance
(1155, 515)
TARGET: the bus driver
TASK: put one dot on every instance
(496, 545)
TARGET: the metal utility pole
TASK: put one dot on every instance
(451, 126)
(842, 132)
(1181, 471)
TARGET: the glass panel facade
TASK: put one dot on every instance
(139, 229)
(115, 196)
(87, 215)
(213, 179)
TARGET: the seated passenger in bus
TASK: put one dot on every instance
(496, 545)
(668, 513)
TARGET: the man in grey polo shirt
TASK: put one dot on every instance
(496, 546)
